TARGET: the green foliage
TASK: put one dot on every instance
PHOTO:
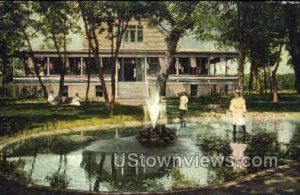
(285, 81)
(262, 144)
(223, 174)
(58, 180)
(180, 180)
(15, 170)
(56, 19)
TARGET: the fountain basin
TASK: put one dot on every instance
(156, 137)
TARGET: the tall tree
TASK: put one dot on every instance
(113, 18)
(292, 18)
(56, 20)
(25, 11)
(93, 18)
(11, 41)
(267, 36)
(177, 17)
(118, 16)
(227, 25)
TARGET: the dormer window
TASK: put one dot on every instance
(134, 33)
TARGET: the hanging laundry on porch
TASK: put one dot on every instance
(193, 62)
(118, 65)
(222, 63)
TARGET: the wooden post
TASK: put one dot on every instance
(146, 78)
(177, 66)
(81, 66)
(48, 66)
(117, 77)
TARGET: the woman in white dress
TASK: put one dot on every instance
(51, 99)
(238, 111)
(76, 100)
(183, 107)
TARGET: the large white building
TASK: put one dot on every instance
(200, 67)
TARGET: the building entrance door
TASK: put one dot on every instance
(132, 69)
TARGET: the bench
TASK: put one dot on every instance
(63, 104)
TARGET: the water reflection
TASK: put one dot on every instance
(86, 161)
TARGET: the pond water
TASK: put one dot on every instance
(112, 160)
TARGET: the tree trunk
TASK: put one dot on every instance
(258, 81)
(172, 41)
(121, 28)
(4, 76)
(265, 79)
(270, 80)
(101, 74)
(241, 72)
(274, 79)
(294, 40)
(91, 34)
(113, 71)
(62, 64)
(250, 85)
(241, 12)
(35, 66)
(88, 64)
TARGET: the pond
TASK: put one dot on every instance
(113, 160)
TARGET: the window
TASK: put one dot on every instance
(153, 66)
(99, 91)
(134, 33)
(194, 90)
(74, 66)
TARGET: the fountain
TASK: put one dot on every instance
(157, 134)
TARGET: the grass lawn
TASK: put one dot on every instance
(35, 114)
(288, 102)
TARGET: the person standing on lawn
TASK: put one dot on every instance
(183, 107)
(238, 110)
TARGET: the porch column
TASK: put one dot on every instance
(48, 66)
(177, 66)
(226, 67)
(145, 68)
(146, 78)
(208, 67)
(81, 66)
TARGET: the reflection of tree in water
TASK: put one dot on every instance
(100, 169)
(59, 178)
(294, 146)
(211, 145)
(14, 168)
(262, 144)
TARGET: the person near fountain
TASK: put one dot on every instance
(183, 107)
(237, 110)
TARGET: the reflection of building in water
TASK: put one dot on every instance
(199, 69)
(113, 167)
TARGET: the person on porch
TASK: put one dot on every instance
(238, 110)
